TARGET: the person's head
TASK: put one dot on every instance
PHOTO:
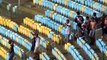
(94, 14)
(67, 21)
(11, 42)
(35, 33)
(78, 13)
(87, 17)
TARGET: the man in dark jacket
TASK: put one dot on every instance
(79, 20)
(11, 52)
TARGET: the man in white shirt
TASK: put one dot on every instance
(68, 30)
(35, 44)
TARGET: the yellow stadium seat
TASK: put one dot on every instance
(65, 46)
(83, 8)
(106, 52)
(3, 52)
(51, 13)
(17, 38)
(55, 6)
(40, 2)
(34, 1)
(71, 14)
(60, 27)
(68, 44)
(0, 37)
(65, 2)
(105, 1)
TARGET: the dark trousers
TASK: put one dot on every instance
(11, 55)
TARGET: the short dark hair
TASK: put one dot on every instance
(67, 21)
(87, 17)
(94, 14)
(78, 13)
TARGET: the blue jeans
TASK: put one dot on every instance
(92, 33)
(67, 37)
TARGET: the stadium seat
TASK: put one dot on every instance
(102, 46)
(44, 56)
(58, 54)
(43, 29)
(10, 34)
(8, 23)
(78, 7)
(97, 6)
(89, 51)
(3, 52)
(71, 49)
(17, 50)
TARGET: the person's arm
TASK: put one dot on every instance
(37, 44)
(75, 19)
(82, 19)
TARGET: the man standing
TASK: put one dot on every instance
(79, 20)
(35, 44)
(11, 52)
(68, 30)
(95, 17)
(92, 31)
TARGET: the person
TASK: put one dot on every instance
(104, 27)
(22, 54)
(11, 52)
(35, 44)
(83, 30)
(87, 23)
(92, 31)
(95, 17)
(68, 30)
(79, 20)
